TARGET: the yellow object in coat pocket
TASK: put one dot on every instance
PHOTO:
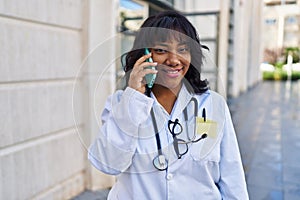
(209, 127)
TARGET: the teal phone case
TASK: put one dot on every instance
(150, 78)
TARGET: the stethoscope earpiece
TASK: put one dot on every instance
(160, 162)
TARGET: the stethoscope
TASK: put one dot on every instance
(160, 162)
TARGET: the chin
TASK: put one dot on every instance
(169, 85)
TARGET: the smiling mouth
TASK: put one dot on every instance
(172, 71)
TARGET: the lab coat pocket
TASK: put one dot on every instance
(207, 148)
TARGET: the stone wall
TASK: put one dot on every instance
(41, 50)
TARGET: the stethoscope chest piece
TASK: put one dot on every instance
(160, 162)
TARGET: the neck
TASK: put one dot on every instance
(165, 96)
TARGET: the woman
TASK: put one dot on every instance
(176, 139)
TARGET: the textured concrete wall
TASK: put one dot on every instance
(247, 45)
(256, 43)
(41, 50)
(99, 77)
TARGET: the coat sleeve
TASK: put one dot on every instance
(232, 178)
(112, 150)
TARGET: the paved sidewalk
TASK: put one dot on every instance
(267, 122)
(92, 195)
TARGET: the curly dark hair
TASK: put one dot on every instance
(160, 28)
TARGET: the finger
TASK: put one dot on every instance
(142, 59)
(136, 79)
(143, 66)
(148, 71)
(147, 65)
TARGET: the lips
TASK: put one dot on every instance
(173, 73)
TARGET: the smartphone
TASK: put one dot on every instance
(150, 78)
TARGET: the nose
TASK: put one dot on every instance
(173, 59)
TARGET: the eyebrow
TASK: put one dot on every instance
(166, 44)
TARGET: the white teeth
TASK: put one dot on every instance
(172, 72)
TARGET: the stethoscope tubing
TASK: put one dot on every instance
(160, 162)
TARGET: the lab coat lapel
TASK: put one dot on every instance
(182, 101)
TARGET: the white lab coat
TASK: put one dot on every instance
(126, 145)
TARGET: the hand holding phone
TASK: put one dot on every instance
(150, 78)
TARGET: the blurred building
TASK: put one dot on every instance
(281, 25)
(59, 60)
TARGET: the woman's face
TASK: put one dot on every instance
(173, 58)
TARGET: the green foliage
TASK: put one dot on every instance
(295, 75)
(279, 65)
(295, 51)
(268, 75)
(280, 75)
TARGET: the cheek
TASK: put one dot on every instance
(186, 59)
(158, 58)
(186, 62)
(189, 58)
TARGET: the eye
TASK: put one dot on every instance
(160, 50)
(183, 50)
